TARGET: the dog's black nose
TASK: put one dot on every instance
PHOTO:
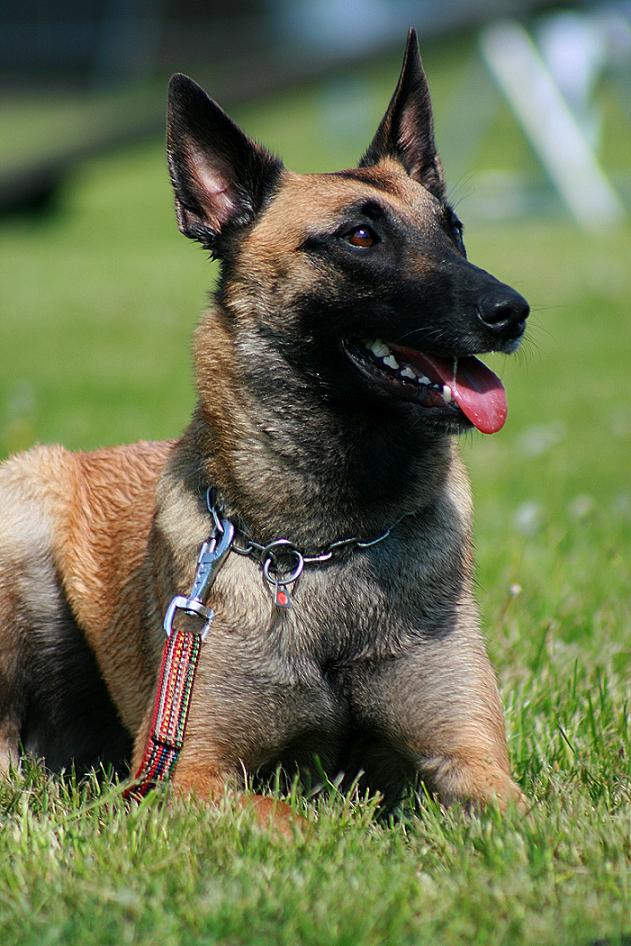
(504, 312)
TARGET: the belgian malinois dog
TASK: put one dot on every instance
(333, 371)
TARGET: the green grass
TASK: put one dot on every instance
(98, 304)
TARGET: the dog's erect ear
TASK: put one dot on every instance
(220, 176)
(406, 131)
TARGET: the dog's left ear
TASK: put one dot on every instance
(221, 177)
(406, 131)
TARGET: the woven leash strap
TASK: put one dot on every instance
(179, 663)
(170, 712)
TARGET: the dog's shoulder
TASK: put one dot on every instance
(87, 513)
(48, 481)
(121, 472)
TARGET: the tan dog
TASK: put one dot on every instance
(332, 373)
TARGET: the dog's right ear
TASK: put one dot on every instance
(220, 176)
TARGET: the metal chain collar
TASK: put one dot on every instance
(281, 561)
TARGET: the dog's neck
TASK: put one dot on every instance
(296, 465)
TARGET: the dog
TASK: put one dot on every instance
(333, 372)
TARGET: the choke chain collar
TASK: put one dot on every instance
(281, 561)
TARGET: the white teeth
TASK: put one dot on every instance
(447, 398)
(383, 352)
(379, 348)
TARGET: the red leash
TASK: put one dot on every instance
(179, 663)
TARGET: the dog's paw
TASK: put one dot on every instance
(275, 816)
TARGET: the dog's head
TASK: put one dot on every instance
(355, 282)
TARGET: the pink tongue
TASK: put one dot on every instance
(476, 389)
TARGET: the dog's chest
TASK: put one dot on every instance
(370, 606)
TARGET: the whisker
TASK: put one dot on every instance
(428, 333)
(454, 194)
(537, 328)
(548, 308)
(527, 351)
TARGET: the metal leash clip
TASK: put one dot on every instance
(210, 559)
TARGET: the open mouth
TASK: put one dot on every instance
(461, 390)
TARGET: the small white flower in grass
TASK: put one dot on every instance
(515, 589)
(527, 517)
(20, 400)
(581, 506)
(622, 505)
(539, 439)
(620, 423)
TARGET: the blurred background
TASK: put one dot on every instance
(99, 292)
(81, 79)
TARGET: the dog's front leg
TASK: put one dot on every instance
(194, 777)
(208, 773)
(232, 728)
(439, 707)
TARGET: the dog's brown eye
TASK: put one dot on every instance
(361, 236)
(457, 231)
